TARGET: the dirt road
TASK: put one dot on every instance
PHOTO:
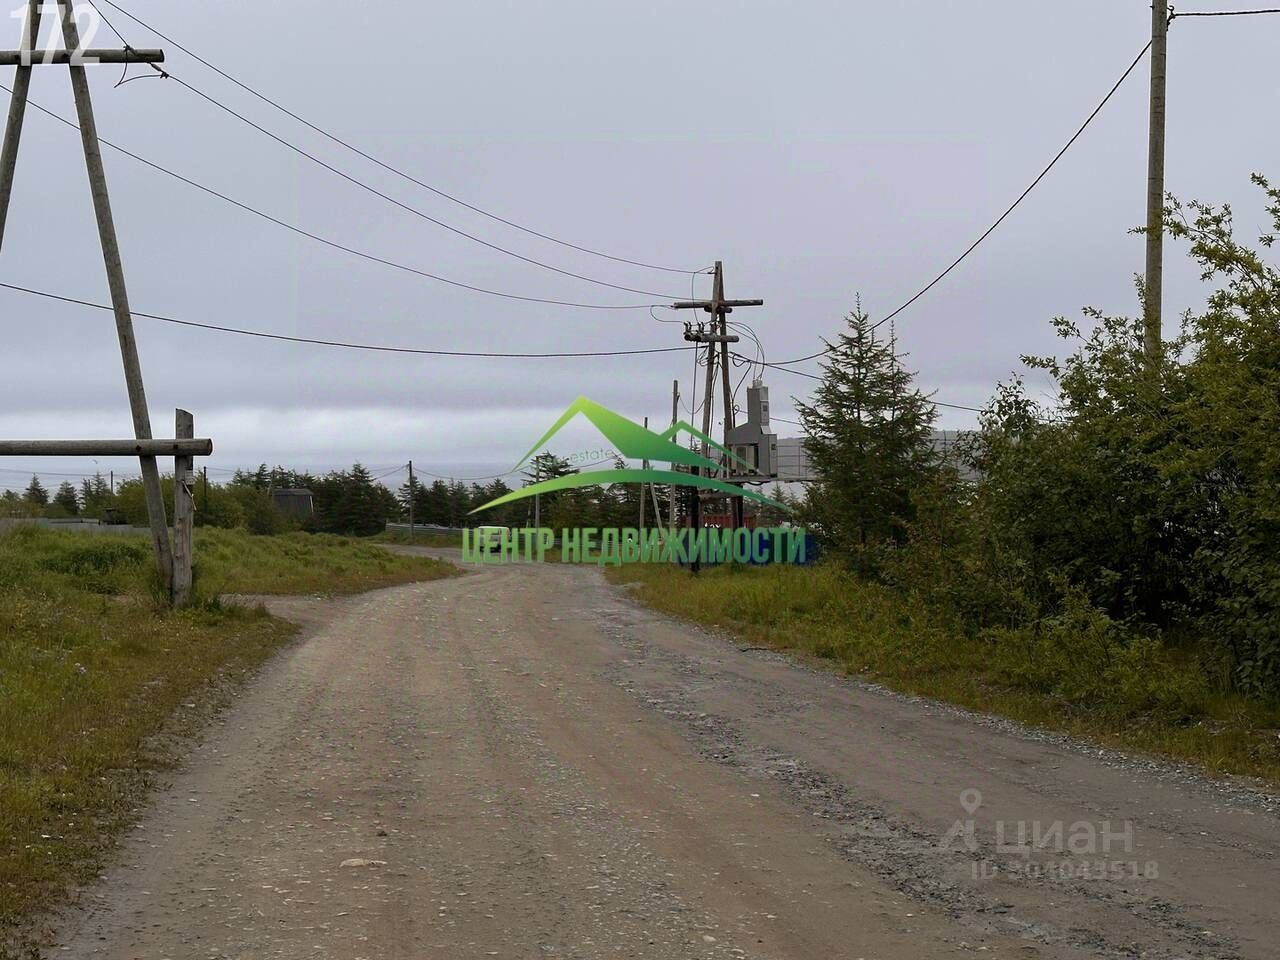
(522, 763)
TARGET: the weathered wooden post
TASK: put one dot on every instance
(75, 57)
(184, 512)
(184, 448)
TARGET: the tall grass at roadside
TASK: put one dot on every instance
(421, 538)
(1074, 673)
(232, 561)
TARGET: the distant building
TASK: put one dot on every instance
(753, 444)
(294, 502)
(793, 460)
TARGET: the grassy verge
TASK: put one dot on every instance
(232, 561)
(92, 668)
(419, 539)
(1066, 677)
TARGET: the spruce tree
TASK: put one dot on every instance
(867, 433)
(66, 499)
(36, 493)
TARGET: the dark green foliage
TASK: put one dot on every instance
(95, 495)
(352, 502)
(66, 500)
(1148, 494)
(867, 434)
(36, 493)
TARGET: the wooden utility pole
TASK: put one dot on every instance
(75, 58)
(18, 109)
(1153, 290)
(184, 512)
(675, 415)
(719, 308)
(645, 465)
(412, 491)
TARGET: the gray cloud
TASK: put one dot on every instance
(820, 149)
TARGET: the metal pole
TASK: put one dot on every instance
(17, 112)
(1153, 291)
(119, 297)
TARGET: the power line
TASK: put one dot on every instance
(499, 476)
(44, 473)
(404, 206)
(373, 159)
(1221, 13)
(814, 376)
(356, 181)
(1013, 206)
(373, 258)
(341, 343)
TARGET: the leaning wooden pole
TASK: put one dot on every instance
(17, 112)
(119, 298)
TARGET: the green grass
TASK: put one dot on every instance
(232, 561)
(420, 538)
(92, 667)
(1069, 676)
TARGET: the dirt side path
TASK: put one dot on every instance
(522, 763)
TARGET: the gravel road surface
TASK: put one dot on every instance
(523, 763)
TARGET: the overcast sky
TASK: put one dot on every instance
(820, 149)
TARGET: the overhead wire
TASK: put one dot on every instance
(814, 376)
(375, 160)
(1004, 216)
(369, 188)
(1221, 13)
(343, 344)
(334, 244)
(498, 476)
(405, 206)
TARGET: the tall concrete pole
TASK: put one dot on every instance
(1153, 339)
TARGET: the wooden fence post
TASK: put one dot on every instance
(184, 509)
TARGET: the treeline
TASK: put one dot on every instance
(349, 502)
(1110, 537)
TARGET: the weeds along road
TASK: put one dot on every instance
(522, 763)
